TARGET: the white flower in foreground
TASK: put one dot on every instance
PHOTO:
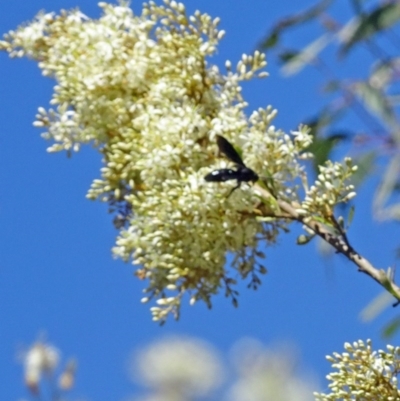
(363, 374)
(141, 89)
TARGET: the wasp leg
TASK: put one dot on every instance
(237, 186)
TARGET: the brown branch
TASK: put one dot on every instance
(339, 242)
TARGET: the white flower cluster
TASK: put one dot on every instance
(179, 368)
(363, 374)
(41, 361)
(184, 368)
(330, 188)
(269, 374)
(141, 90)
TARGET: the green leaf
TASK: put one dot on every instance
(376, 306)
(391, 328)
(322, 148)
(376, 102)
(368, 24)
(325, 118)
(272, 38)
(270, 41)
(307, 15)
(384, 72)
(307, 55)
(387, 184)
(332, 86)
(365, 164)
(287, 56)
(350, 216)
(392, 212)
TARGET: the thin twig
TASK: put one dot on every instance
(339, 242)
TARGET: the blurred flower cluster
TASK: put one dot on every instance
(178, 368)
(182, 369)
(141, 90)
(266, 374)
(41, 362)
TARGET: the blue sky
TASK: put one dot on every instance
(56, 271)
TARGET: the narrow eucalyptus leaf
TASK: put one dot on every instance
(368, 24)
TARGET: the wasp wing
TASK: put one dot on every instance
(229, 151)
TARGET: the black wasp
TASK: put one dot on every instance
(241, 174)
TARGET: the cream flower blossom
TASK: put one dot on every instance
(141, 89)
(179, 367)
(363, 374)
(38, 360)
(41, 369)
